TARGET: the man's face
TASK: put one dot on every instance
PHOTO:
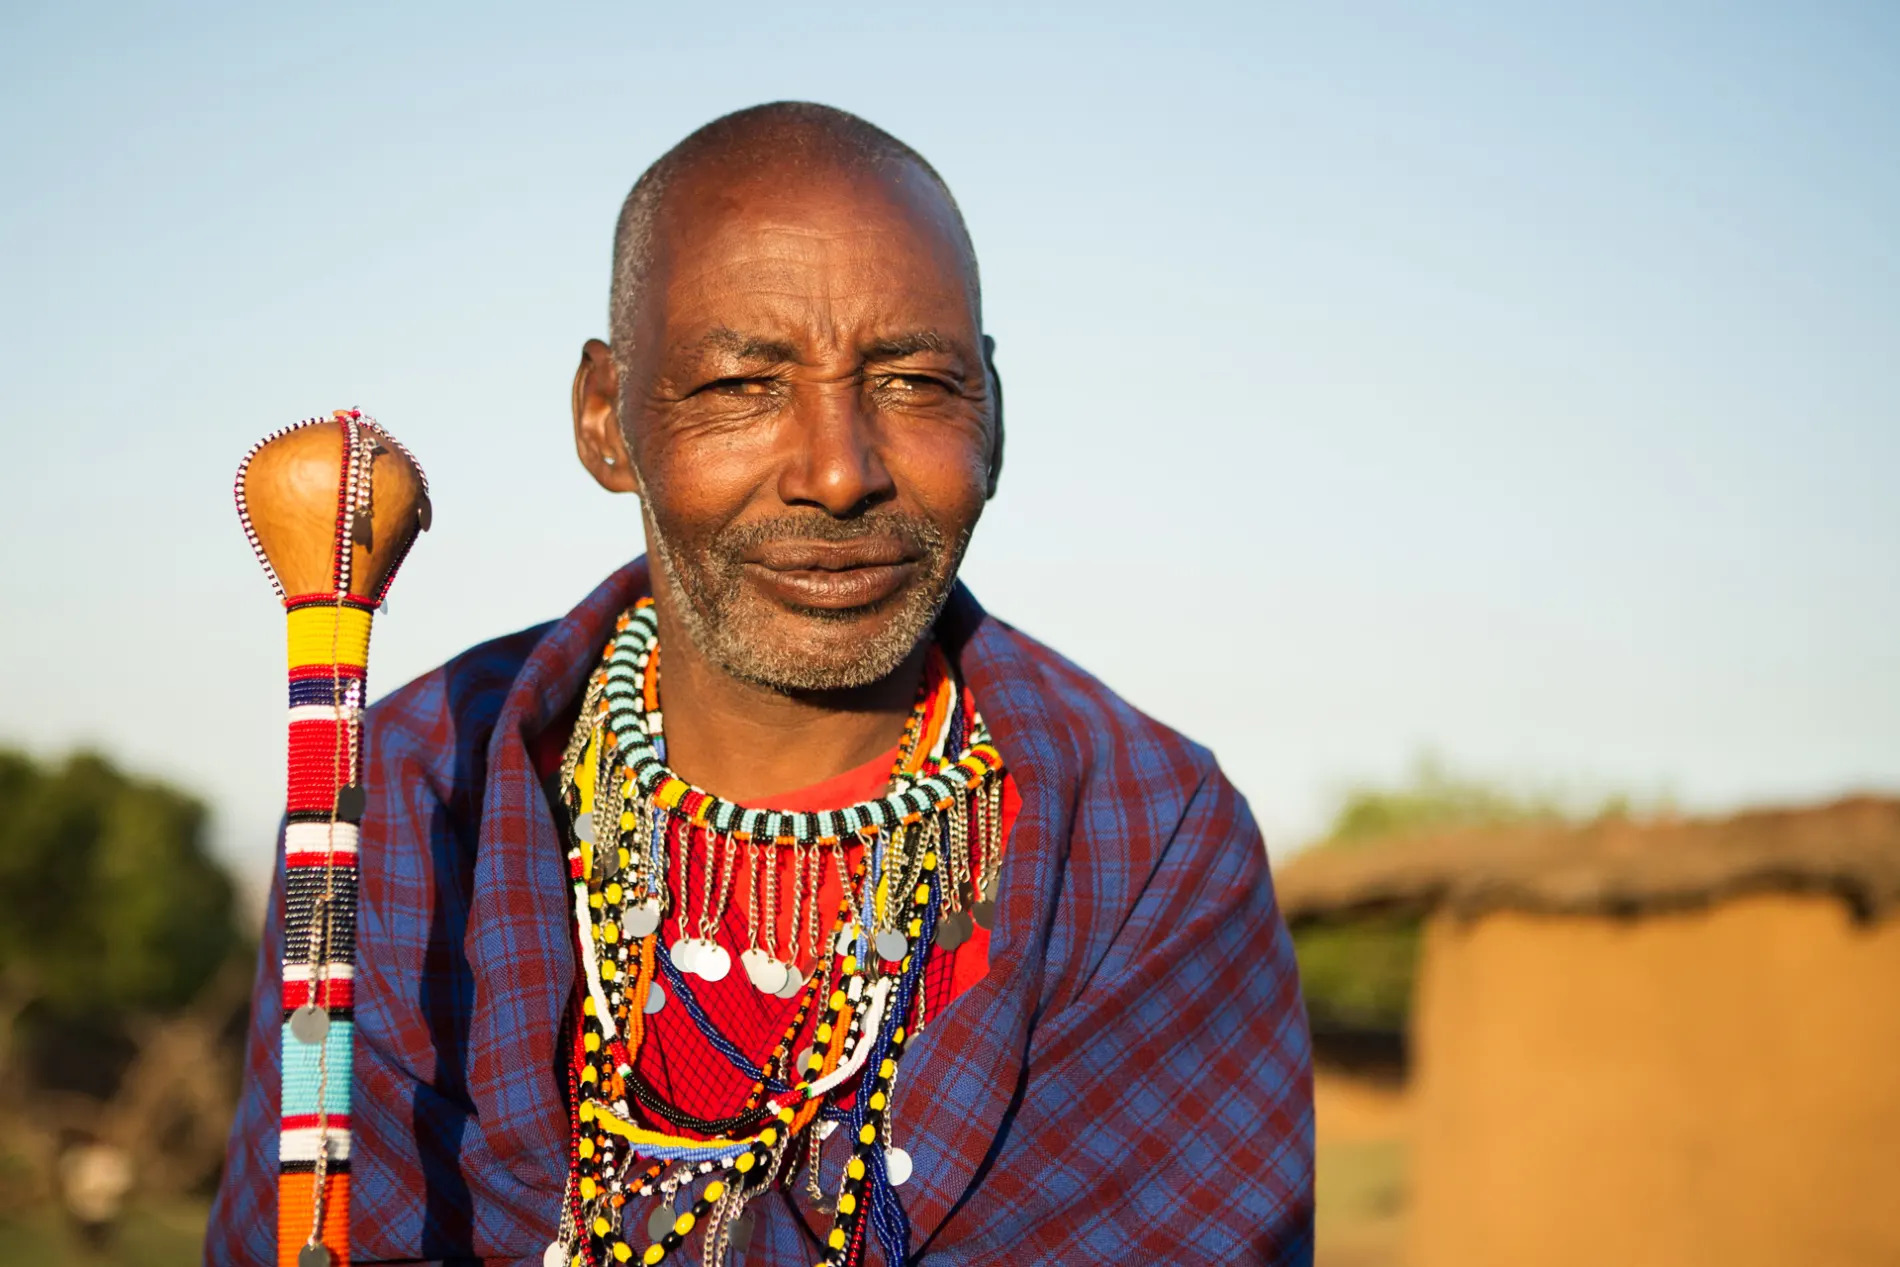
(808, 413)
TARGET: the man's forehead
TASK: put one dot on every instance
(795, 224)
(872, 300)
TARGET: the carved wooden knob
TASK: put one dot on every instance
(299, 510)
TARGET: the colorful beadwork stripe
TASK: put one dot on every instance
(317, 1075)
(330, 634)
(328, 652)
(297, 1196)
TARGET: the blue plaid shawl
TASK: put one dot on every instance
(1130, 1083)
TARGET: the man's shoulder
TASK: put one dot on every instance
(1127, 792)
(1082, 718)
(456, 703)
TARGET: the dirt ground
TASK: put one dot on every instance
(170, 1236)
(1362, 1128)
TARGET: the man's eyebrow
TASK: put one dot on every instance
(897, 346)
(746, 347)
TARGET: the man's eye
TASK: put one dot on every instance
(915, 384)
(739, 386)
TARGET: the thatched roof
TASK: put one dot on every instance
(1850, 848)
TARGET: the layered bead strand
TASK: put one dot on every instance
(633, 823)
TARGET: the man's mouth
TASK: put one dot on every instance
(832, 575)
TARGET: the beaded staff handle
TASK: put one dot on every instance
(331, 507)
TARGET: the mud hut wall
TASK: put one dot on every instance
(1711, 1086)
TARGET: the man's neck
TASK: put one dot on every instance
(748, 743)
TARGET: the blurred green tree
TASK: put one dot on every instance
(1436, 799)
(110, 904)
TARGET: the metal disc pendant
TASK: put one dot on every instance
(953, 929)
(350, 806)
(554, 1255)
(794, 982)
(805, 1062)
(584, 828)
(609, 854)
(749, 959)
(713, 961)
(638, 922)
(766, 973)
(892, 945)
(741, 1235)
(656, 999)
(847, 942)
(313, 1256)
(310, 1024)
(897, 1166)
(984, 913)
(685, 953)
(771, 978)
(659, 1223)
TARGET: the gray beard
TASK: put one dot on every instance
(709, 593)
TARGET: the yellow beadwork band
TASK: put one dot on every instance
(639, 1135)
(316, 631)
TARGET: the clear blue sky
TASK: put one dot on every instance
(1521, 382)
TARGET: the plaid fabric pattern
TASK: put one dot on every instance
(1131, 1081)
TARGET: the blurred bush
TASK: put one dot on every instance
(1357, 976)
(123, 982)
(109, 902)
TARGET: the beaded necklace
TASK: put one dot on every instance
(927, 861)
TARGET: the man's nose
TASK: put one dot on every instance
(832, 459)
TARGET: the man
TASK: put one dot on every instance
(1016, 939)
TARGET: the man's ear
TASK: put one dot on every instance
(996, 395)
(597, 436)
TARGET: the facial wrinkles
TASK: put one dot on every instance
(756, 271)
(831, 278)
(825, 292)
(704, 566)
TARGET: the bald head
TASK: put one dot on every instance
(780, 140)
(800, 391)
